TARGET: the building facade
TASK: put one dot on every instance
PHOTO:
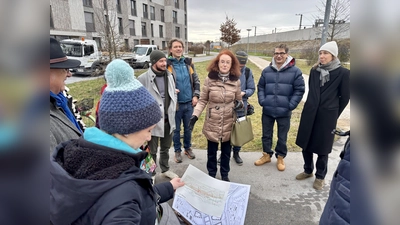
(126, 22)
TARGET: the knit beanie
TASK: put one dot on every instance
(156, 55)
(242, 57)
(126, 106)
(330, 47)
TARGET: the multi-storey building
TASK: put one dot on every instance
(130, 22)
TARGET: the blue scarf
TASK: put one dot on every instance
(61, 101)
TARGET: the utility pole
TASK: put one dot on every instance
(326, 21)
(248, 37)
(301, 17)
(255, 39)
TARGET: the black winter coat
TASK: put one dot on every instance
(94, 184)
(322, 109)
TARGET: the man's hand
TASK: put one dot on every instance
(195, 99)
(237, 104)
(193, 120)
(176, 183)
(242, 93)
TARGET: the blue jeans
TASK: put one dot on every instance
(267, 133)
(183, 113)
(240, 113)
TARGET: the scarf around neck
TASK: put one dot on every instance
(324, 70)
(223, 77)
(61, 101)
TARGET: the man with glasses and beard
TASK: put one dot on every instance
(161, 85)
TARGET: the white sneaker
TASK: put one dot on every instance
(171, 175)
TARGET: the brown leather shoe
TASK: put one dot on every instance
(178, 157)
(266, 158)
(189, 153)
(280, 164)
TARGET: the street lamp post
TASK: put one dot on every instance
(255, 39)
(248, 37)
(301, 17)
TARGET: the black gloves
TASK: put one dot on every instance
(237, 104)
(193, 120)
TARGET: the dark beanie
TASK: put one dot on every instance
(156, 55)
(242, 57)
(126, 106)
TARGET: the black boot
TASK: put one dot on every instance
(237, 158)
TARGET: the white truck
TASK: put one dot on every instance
(141, 55)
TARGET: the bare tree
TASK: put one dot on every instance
(229, 32)
(339, 17)
(207, 44)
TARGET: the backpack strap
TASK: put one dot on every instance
(247, 73)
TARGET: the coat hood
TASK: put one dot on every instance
(290, 61)
(82, 171)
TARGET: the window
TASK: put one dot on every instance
(145, 12)
(120, 27)
(164, 45)
(144, 32)
(175, 16)
(186, 33)
(132, 27)
(185, 19)
(51, 19)
(162, 15)
(152, 30)
(118, 6)
(161, 31)
(105, 4)
(89, 21)
(87, 3)
(126, 44)
(133, 8)
(135, 42)
(178, 32)
(88, 49)
(152, 13)
(185, 5)
(177, 4)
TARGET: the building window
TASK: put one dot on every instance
(177, 4)
(145, 12)
(87, 3)
(185, 19)
(105, 4)
(135, 42)
(126, 44)
(185, 33)
(161, 31)
(120, 27)
(119, 6)
(152, 13)
(144, 31)
(133, 8)
(164, 45)
(178, 32)
(185, 5)
(175, 16)
(51, 19)
(162, 15)
(132, 28)
(152, 30)
(89, 21)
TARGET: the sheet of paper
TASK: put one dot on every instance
(234, 210)
(203, 192)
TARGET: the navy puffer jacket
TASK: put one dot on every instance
(279, 92)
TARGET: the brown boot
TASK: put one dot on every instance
(280, 164)
(266, 158)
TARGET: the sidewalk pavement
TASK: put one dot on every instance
(276, 198)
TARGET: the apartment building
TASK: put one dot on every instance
(131, 22)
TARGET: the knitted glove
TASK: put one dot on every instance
(238, 105)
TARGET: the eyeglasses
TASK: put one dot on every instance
(67, 70)
(280, 53)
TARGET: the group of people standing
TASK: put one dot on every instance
(106, 164)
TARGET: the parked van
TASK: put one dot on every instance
(141, 55)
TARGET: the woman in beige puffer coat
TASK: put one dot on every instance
(220, 95)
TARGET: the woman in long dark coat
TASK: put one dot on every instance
(329, 93)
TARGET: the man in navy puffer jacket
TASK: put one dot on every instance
(280, 89)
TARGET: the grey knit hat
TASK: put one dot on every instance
(126, 106)
(242, 57)
(156, 55)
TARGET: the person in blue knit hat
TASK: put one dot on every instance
(103, 177)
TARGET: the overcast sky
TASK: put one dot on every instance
(205, 16)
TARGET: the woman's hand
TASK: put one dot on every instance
(176, 183)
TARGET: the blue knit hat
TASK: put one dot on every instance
(126, 106)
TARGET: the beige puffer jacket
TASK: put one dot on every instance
(219, 98)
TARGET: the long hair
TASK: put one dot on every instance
(235, 66)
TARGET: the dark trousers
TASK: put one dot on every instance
(267, 133)
(212, 148)
(165, 144)
(321, 165)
